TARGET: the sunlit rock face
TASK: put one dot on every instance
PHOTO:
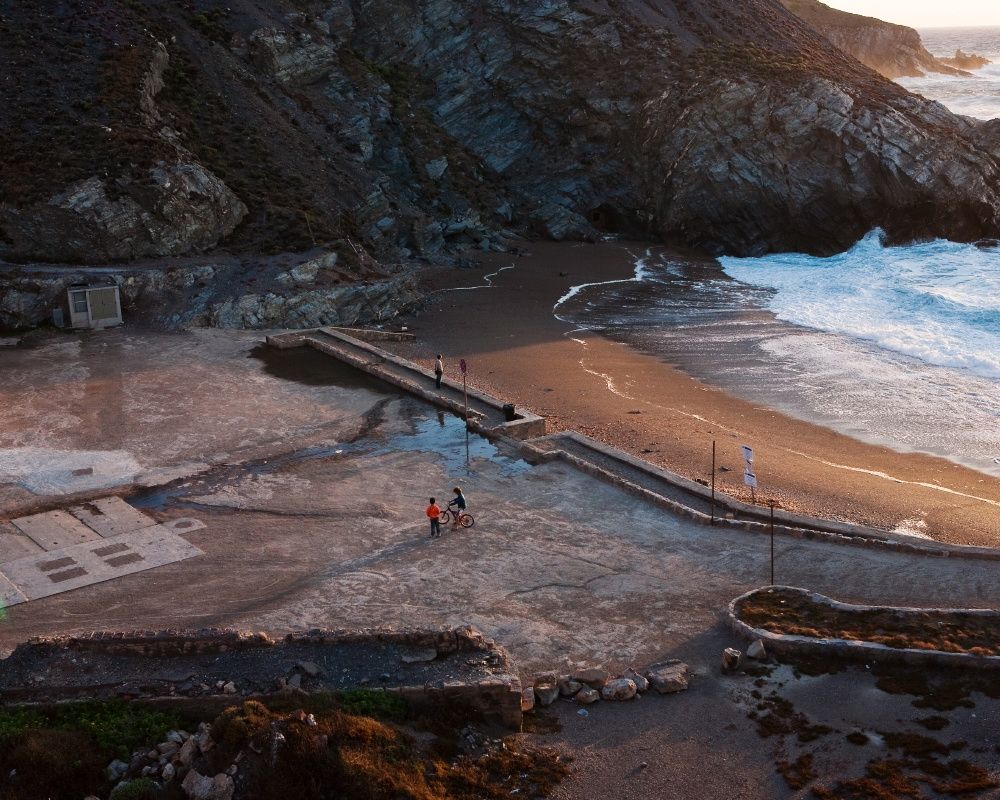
(401, 130)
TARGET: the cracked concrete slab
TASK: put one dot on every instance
(111, 516)
(55, 529)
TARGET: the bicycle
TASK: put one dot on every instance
(464, 518)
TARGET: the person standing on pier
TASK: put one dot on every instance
(438, 371)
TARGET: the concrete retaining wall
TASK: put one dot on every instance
(494, 694)
(853, 650)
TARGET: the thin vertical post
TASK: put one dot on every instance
(772, 543)
(713, 481)
(465, 390)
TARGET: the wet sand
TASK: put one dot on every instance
(517, 349)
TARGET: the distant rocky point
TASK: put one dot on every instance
(966, 61)
(895, 51)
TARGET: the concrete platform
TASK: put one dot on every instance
(93, 562)
(111, 516)
(55, 529)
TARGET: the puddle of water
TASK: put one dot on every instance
(441, 433)
(313, 368)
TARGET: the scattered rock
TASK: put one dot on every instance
(668, 677)
(594, 677)
(419, 655)
(731, 658)
(587, 696)
(201, 787)
(310, 669)
(295, 682)
(168, 772)
(177, 736)
(168, 749)
(547, 693)
(229, 687)
(641, 684)
(756, 650)
(116, 770)
(528, 699)
(569, 687)
(188, 751)
(619, 689)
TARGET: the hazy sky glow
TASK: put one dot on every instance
(925, 13)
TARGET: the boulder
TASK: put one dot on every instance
(418, 655)
(594, 677)
(547, 693)
(569, 687)
(731, 659)
(116, 770)
(756, 650)
(187, 752)
(169, 771)
(668, 677)
(201, 787)
(641, 684)
(311, 670)
(619, 689)
(586, 696)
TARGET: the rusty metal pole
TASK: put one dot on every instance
(713, 482)
(772, 543)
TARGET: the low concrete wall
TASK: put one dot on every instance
(494, 694)
(369, 335)
(854, 650)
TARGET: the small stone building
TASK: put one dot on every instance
(94, 306)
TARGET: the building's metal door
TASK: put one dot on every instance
(103, 304)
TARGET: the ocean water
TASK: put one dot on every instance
(975, 96)
(897, 346)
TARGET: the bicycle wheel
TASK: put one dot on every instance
(445, 517)
(466, 520)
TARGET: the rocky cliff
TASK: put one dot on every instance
(410, 130)
(895, 51)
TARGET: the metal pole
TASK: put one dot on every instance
(753, 496)
(772, 543)
(713, 481)
(465, 389)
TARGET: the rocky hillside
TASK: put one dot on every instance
(895, 51)
(406, 130)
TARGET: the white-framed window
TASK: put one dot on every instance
(79, 302)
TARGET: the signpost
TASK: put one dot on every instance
(749, 476)
(465, 389)
(772, 543)
(713, 483)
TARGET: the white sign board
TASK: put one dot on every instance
(749, 479)
(747, 454)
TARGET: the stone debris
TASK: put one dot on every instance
(569, 687)
(731, 659)
(641, 684)
(201, 787)
(756, 650)
(619, 689)
(547, 693)
(594, 677)
(169, 771)
(527, 699)
(419, 656)
(668, 677)
(229, 687)
(587, 696)
(116, 770)
(311, 670)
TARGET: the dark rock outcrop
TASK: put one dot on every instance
(895, 51)
(966, 61)
(419, 129)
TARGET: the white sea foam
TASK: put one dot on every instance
(938, 302)
(639, 274)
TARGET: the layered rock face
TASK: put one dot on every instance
(895, 51)
(414, 130)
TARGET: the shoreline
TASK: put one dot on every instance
(502, 322)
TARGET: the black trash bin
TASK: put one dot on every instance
(509, 414)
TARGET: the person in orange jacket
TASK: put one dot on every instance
(434, 515)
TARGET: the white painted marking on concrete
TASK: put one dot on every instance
(54, 530)
(111, 516)
(93, 562)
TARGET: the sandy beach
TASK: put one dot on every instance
(517, 349)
